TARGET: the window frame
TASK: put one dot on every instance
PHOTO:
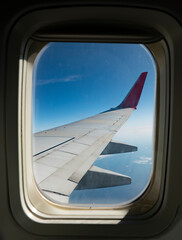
(62, 210)
(23, 30)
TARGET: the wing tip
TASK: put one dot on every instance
(133, 97)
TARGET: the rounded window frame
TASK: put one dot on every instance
(33, 196)
(21, 38)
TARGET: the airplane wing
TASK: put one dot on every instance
(63, 157)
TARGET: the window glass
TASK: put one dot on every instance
(92, 143)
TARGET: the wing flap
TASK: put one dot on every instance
(116, 147)
(45, 143)
(56, 197)
(58, 184)
(100, 178)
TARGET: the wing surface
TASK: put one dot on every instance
(63, 156)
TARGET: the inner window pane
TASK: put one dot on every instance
(93, 122)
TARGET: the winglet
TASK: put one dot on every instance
(132, 99)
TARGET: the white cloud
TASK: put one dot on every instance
(144, 160)
(71, 78)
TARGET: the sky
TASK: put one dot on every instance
(72, 81)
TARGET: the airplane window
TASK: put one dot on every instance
(93, 122)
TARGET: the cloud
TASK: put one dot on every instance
(144, 160)
(71, 78)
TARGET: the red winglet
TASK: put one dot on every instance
(132, 99)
